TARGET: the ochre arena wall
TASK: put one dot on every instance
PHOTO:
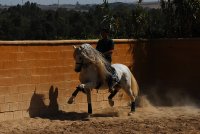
(38, 77)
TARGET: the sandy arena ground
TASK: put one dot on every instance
(165, 120)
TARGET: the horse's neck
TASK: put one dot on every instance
(90, 73)
(89, 68)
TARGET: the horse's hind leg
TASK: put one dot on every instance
(111, 102)
(132, 97)
(132, 102)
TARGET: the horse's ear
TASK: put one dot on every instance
(74, 46)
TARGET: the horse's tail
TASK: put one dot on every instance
(134, 86)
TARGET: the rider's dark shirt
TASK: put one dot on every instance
(105, 45)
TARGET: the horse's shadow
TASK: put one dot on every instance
(38, 108)
(73, 116)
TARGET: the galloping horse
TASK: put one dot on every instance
(94, 70)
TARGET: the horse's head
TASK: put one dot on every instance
(78, 59)
(83, 55)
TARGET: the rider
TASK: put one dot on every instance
(106, 47)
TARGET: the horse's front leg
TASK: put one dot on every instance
(74, 94)
(87, 88)
(89, 100)
(82, 88)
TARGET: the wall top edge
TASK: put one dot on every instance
(60, 42)
(93, 41)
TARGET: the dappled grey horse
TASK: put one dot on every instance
(94, 72)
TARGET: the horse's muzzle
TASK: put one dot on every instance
(77, 69)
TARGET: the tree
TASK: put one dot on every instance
(181, 16)
(140, 23)
(175, 19)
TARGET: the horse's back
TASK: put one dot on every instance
(122, 71)
(127, 79)
(121, 68)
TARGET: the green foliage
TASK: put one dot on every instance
(108, 21)
(182, 17)
(175, 18)
(140, 22)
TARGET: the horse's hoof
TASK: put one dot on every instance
(71, 100)
(131, 113)
(89, 116)
(111, 102)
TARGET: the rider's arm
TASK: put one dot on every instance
(108, 52)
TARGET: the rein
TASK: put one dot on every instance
(79, 63)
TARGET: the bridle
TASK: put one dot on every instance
(79, 66)
(79, 63)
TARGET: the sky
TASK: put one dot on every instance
(48, 2)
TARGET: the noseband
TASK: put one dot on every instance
(79, 63)
(78, 66)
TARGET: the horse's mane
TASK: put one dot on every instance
(91, 55)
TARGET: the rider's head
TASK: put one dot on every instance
(104, 33)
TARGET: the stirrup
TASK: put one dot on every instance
(116, 79)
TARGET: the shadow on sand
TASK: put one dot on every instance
(38, 108)
(73, 116)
